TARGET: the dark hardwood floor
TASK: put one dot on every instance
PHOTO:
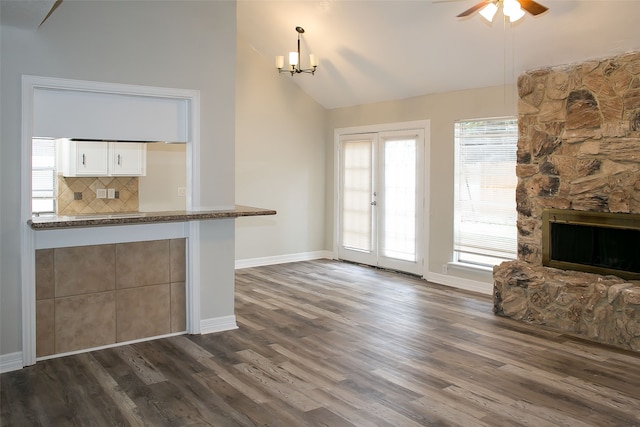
(325, 343)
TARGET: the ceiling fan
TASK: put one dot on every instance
(514, 9)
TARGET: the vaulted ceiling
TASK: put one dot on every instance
(372, 51)
(377, 50)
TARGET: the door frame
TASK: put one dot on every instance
(423, 231)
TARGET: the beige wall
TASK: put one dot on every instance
(442, 110)
(280, 160)
(127, 42)
(166, 172)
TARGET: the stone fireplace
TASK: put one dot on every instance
(578, 151)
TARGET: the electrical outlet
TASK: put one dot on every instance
(111, 193)
(101, 193)
(445, 268)
(182, 191)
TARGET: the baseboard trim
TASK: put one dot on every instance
(218, 324)
(10, 362)
(460, 283)
(281, 259)
(441, 279)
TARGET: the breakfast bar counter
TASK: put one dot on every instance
(125, 218)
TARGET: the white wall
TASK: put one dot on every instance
(178, 44)
(280, 161)
(443, 110)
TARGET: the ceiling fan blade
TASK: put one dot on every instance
(474, 8)
(533, 7)
(54, 7)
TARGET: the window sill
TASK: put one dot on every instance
(469, 267)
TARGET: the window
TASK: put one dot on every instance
(43, 176)
(485, 185)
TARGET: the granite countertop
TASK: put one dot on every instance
(124, 218)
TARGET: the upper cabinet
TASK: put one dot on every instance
(85, 158)
(127, 159)
(101, 158)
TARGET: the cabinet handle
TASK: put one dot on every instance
(119, 164)
(84, 163)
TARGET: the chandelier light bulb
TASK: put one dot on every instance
(313, 60)
(293, 58)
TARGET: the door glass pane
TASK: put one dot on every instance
(399, 224)
(356, 195)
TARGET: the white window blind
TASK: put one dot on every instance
(43, 176)
(399, 237)
(356, 210)
(485, 183)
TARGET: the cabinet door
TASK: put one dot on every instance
(85, 158)
(127, 159)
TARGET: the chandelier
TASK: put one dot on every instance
(294, 60)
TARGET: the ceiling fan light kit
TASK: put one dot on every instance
(489, 11)
(513, 9)
(294, 60)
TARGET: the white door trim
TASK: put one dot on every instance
(30, 84)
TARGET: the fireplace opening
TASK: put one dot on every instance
(595, 242)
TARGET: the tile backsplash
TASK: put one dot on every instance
(79, 195)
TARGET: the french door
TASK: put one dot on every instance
(380, 200)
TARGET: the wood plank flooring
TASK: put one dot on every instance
(325, 343)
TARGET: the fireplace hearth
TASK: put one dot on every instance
(578, 202)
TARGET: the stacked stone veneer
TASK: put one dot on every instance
(578, 148)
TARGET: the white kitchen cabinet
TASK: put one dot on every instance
(127, 159)
(102, 158)
(85, 158)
